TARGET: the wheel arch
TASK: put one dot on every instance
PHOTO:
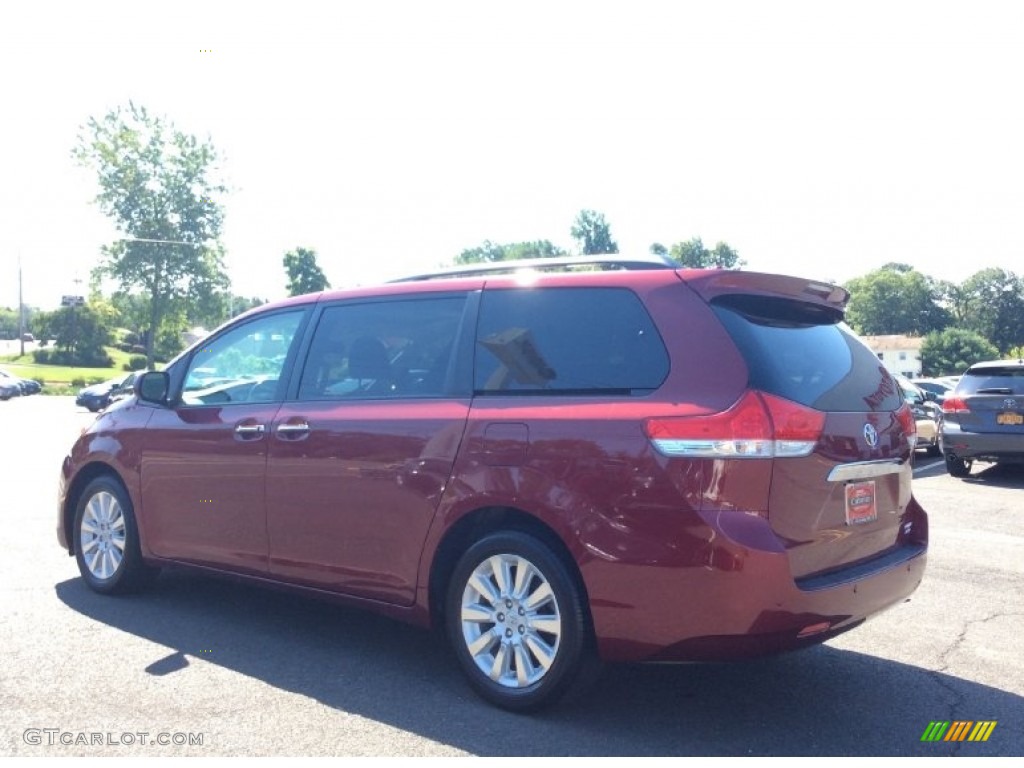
(475, 525)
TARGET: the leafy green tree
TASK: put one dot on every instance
(304, 274)
(694, 254)
(953, 351)
(994, 307)
(1016, 353)
(158, 186)
(490, 252)
(82, 333)
(658, 249)
(593, 233)
(8, 323)
(895, 301)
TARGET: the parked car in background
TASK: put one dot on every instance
(633, 463)
(927, 415)
(8, 389)
(98, 396)
(24, 386)
(983, 418)
(936, 387)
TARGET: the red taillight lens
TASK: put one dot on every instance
(955, 405)
(757, 426)
(793, 421)
(906, 419)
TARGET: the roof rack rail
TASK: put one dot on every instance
(603, 261)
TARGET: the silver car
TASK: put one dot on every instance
(983, 418)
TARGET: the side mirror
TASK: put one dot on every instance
(153, 387)
(930, 396)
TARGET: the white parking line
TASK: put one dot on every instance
(923, 467)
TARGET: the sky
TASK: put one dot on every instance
(816, 139)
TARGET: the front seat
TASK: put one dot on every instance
(368, 363)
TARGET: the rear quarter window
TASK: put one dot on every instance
(567, 340)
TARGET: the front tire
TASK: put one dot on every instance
(957, 467)
(517, 622)
(107, 540)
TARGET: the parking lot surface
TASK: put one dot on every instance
(247, 671)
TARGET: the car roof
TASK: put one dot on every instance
(987, 364)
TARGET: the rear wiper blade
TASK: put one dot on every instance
(995, 391)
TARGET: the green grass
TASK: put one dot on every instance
(27, 368)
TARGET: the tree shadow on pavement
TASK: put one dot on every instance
(822, 701)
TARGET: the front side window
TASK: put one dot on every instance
(244, 365)
(388, 349)
(567, 341)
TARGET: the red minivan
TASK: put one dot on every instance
(557, 463)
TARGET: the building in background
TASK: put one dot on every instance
(899, 354)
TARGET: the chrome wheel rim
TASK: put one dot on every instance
(511, 622)
(103, 535)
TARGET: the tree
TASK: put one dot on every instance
(895, 301)
(593, 233)
(81, 334)
(157, 184)
(304, 274)
(693, 253)
(994, 307)
(490, 252)
(953, 351)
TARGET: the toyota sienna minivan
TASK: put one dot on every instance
(555, 463)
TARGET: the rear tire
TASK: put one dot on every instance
(517, 622)
(957, 467)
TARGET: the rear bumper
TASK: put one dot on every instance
(981, 445)
(743, 602)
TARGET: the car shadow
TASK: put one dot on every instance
(998, 475)
(820, 701)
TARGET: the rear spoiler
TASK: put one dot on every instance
(712, 284)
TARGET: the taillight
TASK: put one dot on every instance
(905, 416)
(757, 426)
(955, 405)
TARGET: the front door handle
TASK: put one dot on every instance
(249, 431)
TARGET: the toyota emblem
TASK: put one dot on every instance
(870, 435)
(1009, 403)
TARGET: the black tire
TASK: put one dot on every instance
(520, 637)
(957, 467)
(107, 540)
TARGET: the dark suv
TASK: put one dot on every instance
(983, 418)
(558, 465)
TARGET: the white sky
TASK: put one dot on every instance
(817, 139)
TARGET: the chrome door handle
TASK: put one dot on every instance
(247, 430)
(292, 429)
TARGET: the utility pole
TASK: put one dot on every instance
(21, 310)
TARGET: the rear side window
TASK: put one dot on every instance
(992, 381)
(568, 341)
(803, 353)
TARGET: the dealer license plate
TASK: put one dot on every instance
(860, 503)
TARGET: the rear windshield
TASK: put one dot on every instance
(992, 381)
(801, 352)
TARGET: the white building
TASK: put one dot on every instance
(899, 354)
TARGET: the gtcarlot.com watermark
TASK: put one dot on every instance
(51, 737)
